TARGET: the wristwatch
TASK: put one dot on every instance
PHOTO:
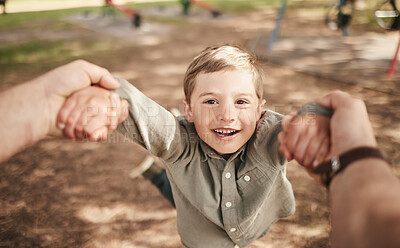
(329, 169)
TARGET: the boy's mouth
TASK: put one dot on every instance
(225, 132)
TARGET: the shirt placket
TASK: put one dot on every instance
(229, 213)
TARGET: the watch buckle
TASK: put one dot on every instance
(335, 164)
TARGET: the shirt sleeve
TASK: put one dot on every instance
(151, 125)
(266, 144)
(315, 108)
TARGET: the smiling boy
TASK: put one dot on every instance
(222, 158)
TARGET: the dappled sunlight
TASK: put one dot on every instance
(96, 214)
(311, 14)
(170, 69)
(128, 74)
(308, 231)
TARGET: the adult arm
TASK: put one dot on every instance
(365, 197)
(29, 111)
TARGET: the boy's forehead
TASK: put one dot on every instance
(224, 81)
(245, 75)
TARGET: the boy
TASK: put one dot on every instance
(227, 176)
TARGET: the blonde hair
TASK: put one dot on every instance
(226, 57)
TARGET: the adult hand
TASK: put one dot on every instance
(59, 83)
(305, 138)
(29, 110)
(350, 125)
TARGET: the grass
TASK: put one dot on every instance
(37, 50)
(13, 20)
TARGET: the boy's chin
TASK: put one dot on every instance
(226, 150)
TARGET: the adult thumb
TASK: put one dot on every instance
(333, 99)
(107, 81)
(99, 75)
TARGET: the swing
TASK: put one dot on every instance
(135, 16)
(186, 5)
(387, 15)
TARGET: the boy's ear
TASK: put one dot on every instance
(188, 112)
(260, 108)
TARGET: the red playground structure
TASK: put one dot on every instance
(186, 5)
(131, 13)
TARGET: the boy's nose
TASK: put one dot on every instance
(227, 113)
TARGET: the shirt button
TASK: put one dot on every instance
(233, 229)
(228, 175)
(228, 204)
(247, 178)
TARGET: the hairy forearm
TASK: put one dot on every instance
(23, 121)
(365, 203)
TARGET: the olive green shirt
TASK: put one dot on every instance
(219, 202)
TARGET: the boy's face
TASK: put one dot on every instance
(224, 109)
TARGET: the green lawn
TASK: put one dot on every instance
(36, 50)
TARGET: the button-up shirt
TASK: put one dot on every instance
(219, 202)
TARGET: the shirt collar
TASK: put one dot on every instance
(211, 153)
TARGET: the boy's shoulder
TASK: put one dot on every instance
(269, 117)
(269, 122)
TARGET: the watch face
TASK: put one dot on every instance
(335, 164)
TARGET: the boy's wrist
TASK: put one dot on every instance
(315, 108)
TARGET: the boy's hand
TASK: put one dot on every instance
(305, 138)
(91, 113)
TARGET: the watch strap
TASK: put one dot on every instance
(329, 169)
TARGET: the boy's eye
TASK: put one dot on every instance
(211, 101)
(241, 102)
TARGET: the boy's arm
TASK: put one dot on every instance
(151, 125)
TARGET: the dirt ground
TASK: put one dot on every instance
(64, 194)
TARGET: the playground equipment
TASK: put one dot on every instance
(387, 17)
(274, 35)
(187, 3)
(339, 15)
(131, 13)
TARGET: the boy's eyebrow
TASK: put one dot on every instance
(243, 94)
(207, 93)
(213, 93)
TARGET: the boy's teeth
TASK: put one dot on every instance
(224, 132)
